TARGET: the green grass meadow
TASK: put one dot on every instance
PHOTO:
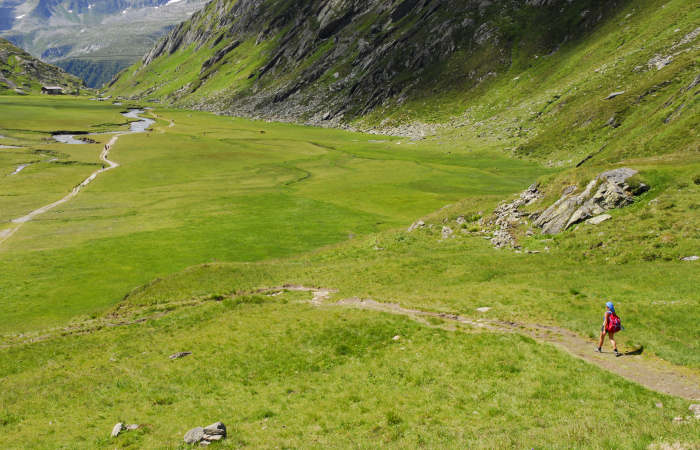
(281, 373)
(201, 214)
(211, 189)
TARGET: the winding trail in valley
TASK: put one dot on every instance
(652, 373)
(135, 127)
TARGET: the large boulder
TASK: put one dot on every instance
(607, 191)
(117, 429)
(215, 429)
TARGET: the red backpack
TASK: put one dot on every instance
(614, 324)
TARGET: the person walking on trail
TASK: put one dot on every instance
(611, 325)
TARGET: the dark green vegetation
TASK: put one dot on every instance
(21, 73)
(94, 72)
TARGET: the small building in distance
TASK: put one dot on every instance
(52, 90)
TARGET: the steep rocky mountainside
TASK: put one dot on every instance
(21, 73)
(571, 83)
(93, 39)
(342, 58)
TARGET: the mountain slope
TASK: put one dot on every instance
(343, 58)
(20, 72)
(92, 39)
(531, 74)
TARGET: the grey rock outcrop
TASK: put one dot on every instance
(215, 429)
(446, 232)
(607, 191)
(206, 435)
(614, 94)
(120, 427)
(416, 225)
(597, 220)
(695, 409)
(508, 215)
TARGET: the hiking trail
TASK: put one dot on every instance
(652, 373)
(135, 127)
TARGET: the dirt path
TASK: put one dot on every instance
(651, 373)
(109, 165)
(18, 222)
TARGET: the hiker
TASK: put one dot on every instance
(611, 325)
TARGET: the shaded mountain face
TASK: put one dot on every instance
(21, 73)
(339, 59)
(93, 39)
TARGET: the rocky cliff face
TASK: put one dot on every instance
(21, 73)
(330, 60)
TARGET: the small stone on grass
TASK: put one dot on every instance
(117, 429)
(180, 355)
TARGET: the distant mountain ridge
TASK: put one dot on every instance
(93, 39)
(21, 73)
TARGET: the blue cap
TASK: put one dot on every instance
(611, 306)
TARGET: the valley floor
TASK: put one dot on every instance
(178, 249)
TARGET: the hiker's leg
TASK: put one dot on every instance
(602, 338)
(611, 336)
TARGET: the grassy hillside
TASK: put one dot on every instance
(321, 62)
(21, 73)
(554, 107)
(533, 81)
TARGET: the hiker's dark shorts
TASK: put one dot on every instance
(602, 329)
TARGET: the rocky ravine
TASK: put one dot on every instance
(607, 191)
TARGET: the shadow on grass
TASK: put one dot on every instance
(637, 351)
